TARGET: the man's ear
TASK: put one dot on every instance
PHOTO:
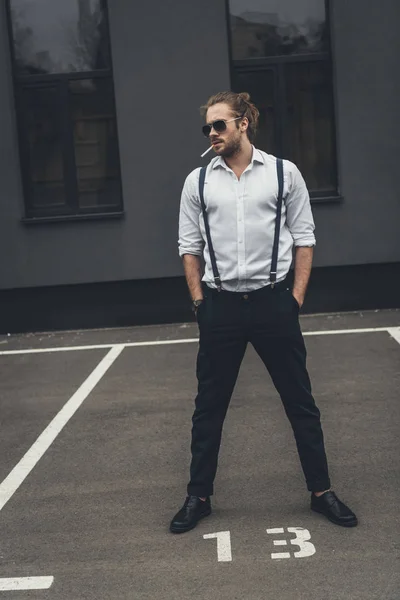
(244, 123)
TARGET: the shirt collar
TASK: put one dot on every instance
(256, 157)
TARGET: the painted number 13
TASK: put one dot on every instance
(301, 540)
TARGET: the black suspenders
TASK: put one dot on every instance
(274, 261)
(217, 278)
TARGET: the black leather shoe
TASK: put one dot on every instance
(190, 514)
(329, 505)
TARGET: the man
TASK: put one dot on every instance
(243, 296)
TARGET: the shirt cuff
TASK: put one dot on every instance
(190, 250)
(306, 242)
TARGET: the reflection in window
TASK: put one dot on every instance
(263, 28)
(42, 127)
(95, 142)
(310, 123)
(58, 36)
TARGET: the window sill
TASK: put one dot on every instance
(327, 200)
(64, 218)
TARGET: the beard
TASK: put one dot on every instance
(231, 148)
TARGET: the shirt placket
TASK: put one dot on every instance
(241, 241)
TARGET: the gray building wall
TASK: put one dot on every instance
(168, 58)
(366, 50)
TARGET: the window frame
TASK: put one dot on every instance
(60, 81)
(277, 64)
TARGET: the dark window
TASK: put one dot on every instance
(65, 107)
(281, 56)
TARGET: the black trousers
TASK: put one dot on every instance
(269, 320)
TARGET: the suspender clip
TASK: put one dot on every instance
(218, 283)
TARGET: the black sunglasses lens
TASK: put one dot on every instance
(219, 126)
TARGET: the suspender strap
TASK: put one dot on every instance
(274, 262)
(217, 278)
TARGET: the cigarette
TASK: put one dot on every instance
(208, 150)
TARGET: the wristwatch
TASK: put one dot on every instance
(196, 304)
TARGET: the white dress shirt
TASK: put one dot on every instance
(241, 214)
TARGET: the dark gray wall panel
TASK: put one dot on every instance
(365, 228)
(168, 58)
(11, 233)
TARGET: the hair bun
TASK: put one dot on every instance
(244, 96)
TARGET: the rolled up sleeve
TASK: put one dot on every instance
(190, 238)
(299, 216)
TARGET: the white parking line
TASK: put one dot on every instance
(99, 346)
(19, 473)
(339, 331)
(25, 583)
(394, 331)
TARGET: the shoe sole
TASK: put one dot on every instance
(185, 529)
(353, 523)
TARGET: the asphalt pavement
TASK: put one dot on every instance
(95, 435)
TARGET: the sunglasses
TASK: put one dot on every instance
(218, 126)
